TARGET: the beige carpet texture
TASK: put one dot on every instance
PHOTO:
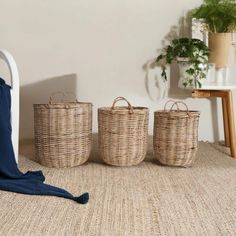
(147, 199)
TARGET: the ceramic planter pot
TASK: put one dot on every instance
(219, 45)
(184, 77)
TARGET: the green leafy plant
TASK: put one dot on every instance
(217, 16)
(194, 51)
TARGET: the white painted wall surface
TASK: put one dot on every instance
(97, 49)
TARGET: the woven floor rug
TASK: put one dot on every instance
(148, 199)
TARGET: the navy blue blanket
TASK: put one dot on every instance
(11, 178)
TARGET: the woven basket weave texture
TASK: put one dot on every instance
(63, 133)
(123, 134)
(175, 138)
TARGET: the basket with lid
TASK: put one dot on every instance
(123, 133)
(175, 136)
(63, 132)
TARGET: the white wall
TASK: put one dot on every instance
(96, 48)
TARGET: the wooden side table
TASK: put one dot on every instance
(225, 93)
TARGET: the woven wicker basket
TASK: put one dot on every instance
(175, 139)
(123, 134)
(63, 133)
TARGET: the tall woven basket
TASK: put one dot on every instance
(123, 133)
(175, 138)
(63, 133)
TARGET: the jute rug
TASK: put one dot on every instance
(147, 199)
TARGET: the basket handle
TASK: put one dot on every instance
(55, 93)
(131, 110)
(174, 104)
(63, 95)
(73, 94)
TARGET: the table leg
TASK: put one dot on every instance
(226, 124)
(232, 137)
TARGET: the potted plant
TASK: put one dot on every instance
(192, 58)
(219, 19)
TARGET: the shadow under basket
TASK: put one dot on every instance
(175, 138)
(123, 134)
(63, 133)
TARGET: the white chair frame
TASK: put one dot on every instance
(15, 97)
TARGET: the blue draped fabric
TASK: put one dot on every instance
(11, 178)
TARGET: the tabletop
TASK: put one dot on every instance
(214, 86)
(221, 79)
